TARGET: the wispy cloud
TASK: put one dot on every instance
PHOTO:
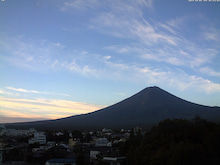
(34, 55)
(111, 68)
(211, 33)
(18, 91)
(6, 119)
(45, 56)
(5, 92)
(147, 41)
(23, 90)
(180, 80)
(79, 4)
(168, 28)
(156, 76)
(70, 5)
(131, 26)
(210, 71)
(157, 41)
(48, 108)
(81, 69)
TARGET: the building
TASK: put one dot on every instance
(103, 142)
(59, 134)
(16, 132)
(114, 160)
(94, 154)
(61, 162)
(39, 137)
(106, 130)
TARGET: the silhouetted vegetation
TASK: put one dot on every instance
(176, 142)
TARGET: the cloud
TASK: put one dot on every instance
(155, 41)
(71, 5)
(34, 55)
(18, 91)
(168, 28)
(170, 60)
(48, 108)
(177, 79)
(3, 92)
(84, 70)
(205, 84)
(147, 3)
(23, 90)
(5, 119)
(149, 35)
(107, 57)
(211, 33)
(45, 56)
(189, 56)
(131, 26)
(150, 43)
(79, 4)
(176, 22)
(161, 41)
(210, 71)
(180, 80)
(105, 66)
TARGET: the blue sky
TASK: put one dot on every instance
(61, 58)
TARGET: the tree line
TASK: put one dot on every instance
(175, 142)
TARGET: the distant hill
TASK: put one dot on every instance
(145, 108)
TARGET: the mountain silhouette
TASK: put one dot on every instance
(145, 108)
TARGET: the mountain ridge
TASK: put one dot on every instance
(147, 107)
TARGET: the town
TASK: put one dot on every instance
(61, 147)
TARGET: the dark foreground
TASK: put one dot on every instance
(171, 142)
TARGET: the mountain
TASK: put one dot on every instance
(145, 108)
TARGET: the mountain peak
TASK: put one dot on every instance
(153, 91)
(152, 88)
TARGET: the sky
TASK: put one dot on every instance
(66, 57)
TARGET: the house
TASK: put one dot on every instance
(114, 160)
(51, 143)
(103, 142)
(94, 154)
(61, 162)
(106, 130)
(59, 134)
(39, 137)
(97, 153)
